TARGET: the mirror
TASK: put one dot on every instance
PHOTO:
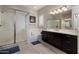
(53, 24)
(61, 21)
(66, 23)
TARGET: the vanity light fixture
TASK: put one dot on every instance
(56, 11)
(76, 15)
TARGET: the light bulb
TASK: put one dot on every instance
(64, 9)
(52, 13)
(59, 10)
(55, 11)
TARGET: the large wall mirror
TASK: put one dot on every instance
(61, 21)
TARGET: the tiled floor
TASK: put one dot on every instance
(26, 48)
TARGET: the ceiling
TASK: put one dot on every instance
(34, 7)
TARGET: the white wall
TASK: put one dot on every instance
(76, 20)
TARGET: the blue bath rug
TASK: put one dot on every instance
(36, 42)
(10, 50)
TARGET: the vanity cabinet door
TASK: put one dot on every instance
(56, 41)
(47, 37)
(70, 44)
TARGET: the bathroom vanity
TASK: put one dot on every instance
(64, 40)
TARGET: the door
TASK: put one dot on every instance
(20, 26)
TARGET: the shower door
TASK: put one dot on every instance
(6, 27)
(20, 26)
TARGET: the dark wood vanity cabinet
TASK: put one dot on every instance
(70, 44)
(65, 42)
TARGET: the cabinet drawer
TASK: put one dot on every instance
(72, 37)
(69, 42)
